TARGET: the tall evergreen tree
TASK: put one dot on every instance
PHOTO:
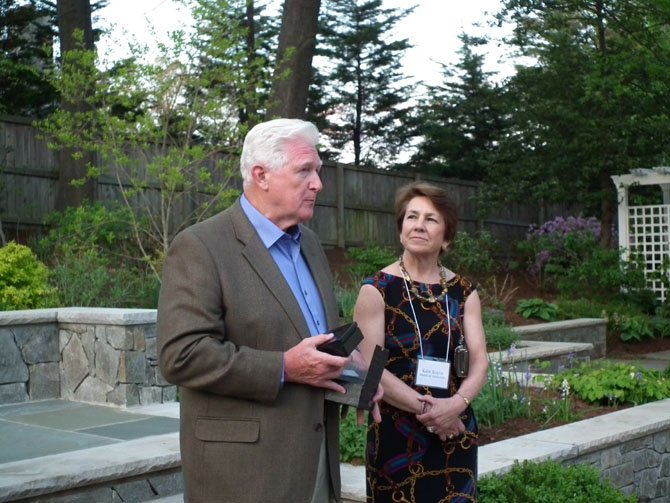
(237, 39)
(461, 120)
(358, 97)
(26, 35)
(595, 103)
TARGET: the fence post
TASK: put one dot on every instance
(339, 198)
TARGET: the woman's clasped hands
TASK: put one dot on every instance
(441, 416)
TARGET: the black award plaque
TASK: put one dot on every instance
(360, 380)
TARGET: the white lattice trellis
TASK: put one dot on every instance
(645, 230)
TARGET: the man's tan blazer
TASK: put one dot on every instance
(225, 316)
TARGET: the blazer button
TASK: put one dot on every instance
(318, 427)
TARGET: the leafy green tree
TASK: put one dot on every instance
(594, 103)
(358, 98)
(26, 32)
(166, 149)
(461, 120)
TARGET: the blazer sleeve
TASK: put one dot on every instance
(194, 349)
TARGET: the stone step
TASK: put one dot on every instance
(524, 355)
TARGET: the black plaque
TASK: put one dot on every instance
(360, 380)
(347, 338)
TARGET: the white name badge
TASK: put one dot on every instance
(432, 373)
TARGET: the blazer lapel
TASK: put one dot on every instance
(262, 262)
(313, 254)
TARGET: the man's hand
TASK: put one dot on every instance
(305, 364)
(376, 413)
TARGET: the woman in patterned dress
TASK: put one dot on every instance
(425, 448)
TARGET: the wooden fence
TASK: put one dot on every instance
(354, 209)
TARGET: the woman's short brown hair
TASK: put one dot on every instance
(437, 195)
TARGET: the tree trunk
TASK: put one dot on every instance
(73, 16)
(293, 74)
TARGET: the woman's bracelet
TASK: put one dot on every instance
(465, 399)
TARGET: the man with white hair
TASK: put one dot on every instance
(245, 300)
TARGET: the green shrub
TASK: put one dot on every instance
(632, 328)
(472, 255)
(600, 273)
(501, 398)
(94, 259)
(88, 278)
(537, 308)
(85, 227)
(624, 319)
(660, 325)
(346, 300)
(617, 383)
(24, 280)
(572, 308)
(549, 482)
(352, 439)
(510, 392)
(565, 253)
(367, 261)
(499, 335)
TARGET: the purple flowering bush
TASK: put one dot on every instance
(565, 254)
(546, 245)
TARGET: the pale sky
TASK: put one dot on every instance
(433, 29)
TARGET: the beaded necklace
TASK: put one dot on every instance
(430, 298)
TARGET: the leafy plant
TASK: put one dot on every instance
(352, 439)
(537, 308)
(504, 396)
(346, 300)
(660, 325)
(499, 335)
(511, 392)
(369, 260)
(89, 278)
(632, 328)
(565, 253)
(91, 225)
(600, 273)
(549, 482)
(562, 407)
(473, 255)
(572, 308)
(24, 280)
(617, 383)
(93, 259)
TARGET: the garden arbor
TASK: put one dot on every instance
(645, 229)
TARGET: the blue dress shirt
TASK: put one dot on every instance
(285, 250)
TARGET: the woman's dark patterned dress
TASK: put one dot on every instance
(404, 462)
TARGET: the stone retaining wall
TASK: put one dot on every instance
(86, 354)
(590, 330)
(138, 489)
(109, 355)
(630, 447)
